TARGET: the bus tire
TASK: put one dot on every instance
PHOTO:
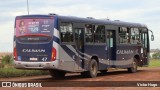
(133, 69)
(57, 73)
(93, 69)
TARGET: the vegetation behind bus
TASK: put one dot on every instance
(155, 60)
(7, 69)
(156, 55)
(154, 63)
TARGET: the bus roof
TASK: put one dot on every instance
(99, 21)
(87, 20)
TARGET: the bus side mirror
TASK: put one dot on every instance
(152, 37)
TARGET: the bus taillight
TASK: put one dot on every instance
(15, 53)
(53, 54)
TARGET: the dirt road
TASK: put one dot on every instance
(143, 74)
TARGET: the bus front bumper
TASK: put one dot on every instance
(36, 65)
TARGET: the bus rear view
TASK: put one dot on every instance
(33, 42)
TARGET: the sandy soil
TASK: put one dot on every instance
(98, 83)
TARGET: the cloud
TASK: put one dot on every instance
(142, 11)
(7, 32)
(6, 47)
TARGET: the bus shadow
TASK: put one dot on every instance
(78, 76)
(119, 72)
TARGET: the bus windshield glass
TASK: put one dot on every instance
(34, 27)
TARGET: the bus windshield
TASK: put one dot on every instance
(34, 27)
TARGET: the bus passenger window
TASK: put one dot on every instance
(124, 35)
(135, 36)
(89, 33)
(100, 34)
(66, 32)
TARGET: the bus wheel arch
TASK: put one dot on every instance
(93, 66)
(134, 67)
(96, 58)
(137, 57)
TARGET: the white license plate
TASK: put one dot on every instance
(33, 59)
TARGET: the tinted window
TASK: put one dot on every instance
(66, 32)
(124, 35)
(89, 33)
(135, 36)
(100, 34)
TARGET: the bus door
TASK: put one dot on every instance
(79, 41)
(111, 46)
(79, 44)
(145, 48)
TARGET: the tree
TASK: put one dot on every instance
(156, 55)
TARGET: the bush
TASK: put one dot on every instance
(156, 55)
(6, 61)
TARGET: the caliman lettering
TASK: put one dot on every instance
(33, 50)
(125, 51)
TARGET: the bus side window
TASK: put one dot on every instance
(124, 35)
(66, 32)
(100, 34)
(135, 36)
(89, 33)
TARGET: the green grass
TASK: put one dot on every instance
(12, 72)
(7, 69)
(154, 63)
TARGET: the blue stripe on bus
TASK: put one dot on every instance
(56, 39)
(68, 51)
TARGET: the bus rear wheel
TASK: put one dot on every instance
(57, 73)
(133, 69)
(93, 69)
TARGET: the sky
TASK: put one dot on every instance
(139, 11)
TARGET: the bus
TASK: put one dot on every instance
(63, 44)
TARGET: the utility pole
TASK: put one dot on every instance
(28, 7)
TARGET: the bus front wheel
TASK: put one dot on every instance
(133, 69)
(57, 73)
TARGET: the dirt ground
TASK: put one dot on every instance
(98, 83)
